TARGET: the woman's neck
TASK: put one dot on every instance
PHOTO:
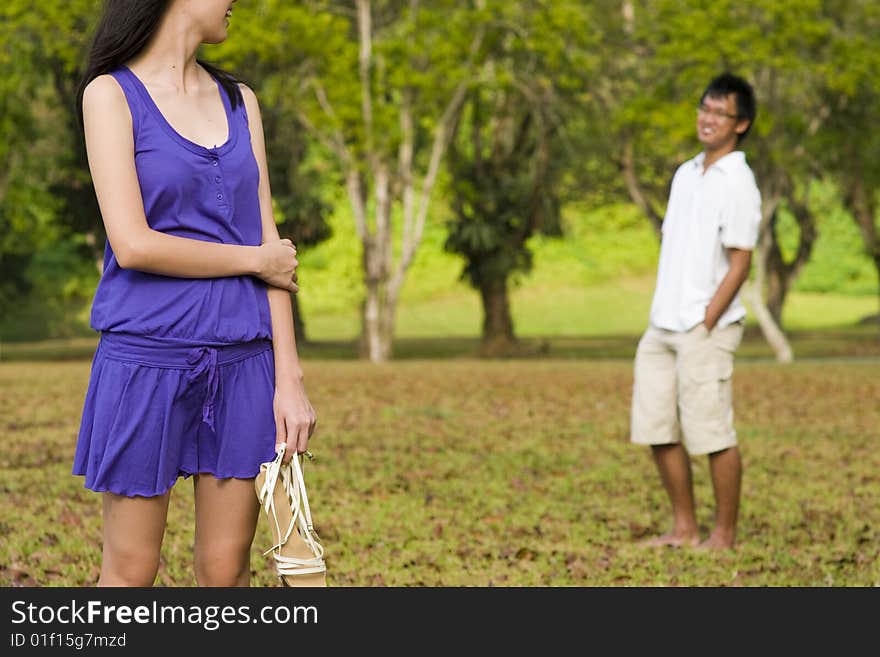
(170, 56)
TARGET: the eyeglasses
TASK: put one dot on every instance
(718, 114)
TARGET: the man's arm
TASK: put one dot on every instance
(740, 260)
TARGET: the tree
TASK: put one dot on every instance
(48, 207)
(298, 170)
(670, 50)
(850, 145)
(379, 84)
(297, 190)
(507, 162)
(46, 202)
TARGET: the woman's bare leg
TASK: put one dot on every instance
(133, 532)
(226, 520)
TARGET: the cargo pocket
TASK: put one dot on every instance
(725, 388)
(717, 367)
(710, 375)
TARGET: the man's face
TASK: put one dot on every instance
(717, 123)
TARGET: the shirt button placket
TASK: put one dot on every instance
(218, 181)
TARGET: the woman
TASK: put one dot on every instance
(196, 373)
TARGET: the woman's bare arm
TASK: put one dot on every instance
(294, 416)
(110, 148)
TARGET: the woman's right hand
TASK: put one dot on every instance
(278, 264)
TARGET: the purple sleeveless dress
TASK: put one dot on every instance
(183, 378)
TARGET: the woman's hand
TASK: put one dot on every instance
(294, 418)
(278, 264)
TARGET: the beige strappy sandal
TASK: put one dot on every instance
(298, 553)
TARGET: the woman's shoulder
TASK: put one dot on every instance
(250, 98)
(105, 104)
(251, 104)
(102, 90)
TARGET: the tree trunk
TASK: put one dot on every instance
(368, 166)
(387, 321)
(498, 337)
(634, 187)
(377, 322)
(299, 325)
(371, 343)
(753, 292)
(777, 282)
(769, 328)
(781, 274)
(877, 268)
(861, 205)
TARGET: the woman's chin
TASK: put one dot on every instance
(217, 37)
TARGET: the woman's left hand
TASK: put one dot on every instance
(294, 418)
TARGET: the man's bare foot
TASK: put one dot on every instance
(716, 543)
(671, 540)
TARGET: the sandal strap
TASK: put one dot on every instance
(293, 485)
(294, 566)
(307, 530)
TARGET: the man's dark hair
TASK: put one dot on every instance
(728, 83)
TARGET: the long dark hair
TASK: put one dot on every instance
(125, 28)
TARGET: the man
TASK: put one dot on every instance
(682, 395)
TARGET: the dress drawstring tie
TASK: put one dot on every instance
(204, 359)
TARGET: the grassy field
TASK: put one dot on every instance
(618, 307)
(444, 469)
(845, 341)
(463, 472)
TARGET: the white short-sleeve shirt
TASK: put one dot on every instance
(706, 214)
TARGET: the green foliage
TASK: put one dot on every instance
(56, 305)
(598, 279)
(45, 197)
(838, 264)
(614, 82)
(600, 245)
(309, 58)
(266, 39)
(605, 244)
(509, 157)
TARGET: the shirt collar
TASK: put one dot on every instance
(724, 165)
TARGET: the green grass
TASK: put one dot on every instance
(611, 307)
(850, 342)
(811, 310)
(621, 307)
(505, 473)
(442, 469)
(598, 280)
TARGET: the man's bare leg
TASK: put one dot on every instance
(726, 468)
(674, 466)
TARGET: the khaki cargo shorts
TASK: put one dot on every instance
(683, 389)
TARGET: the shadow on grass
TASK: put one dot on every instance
(861, 341)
